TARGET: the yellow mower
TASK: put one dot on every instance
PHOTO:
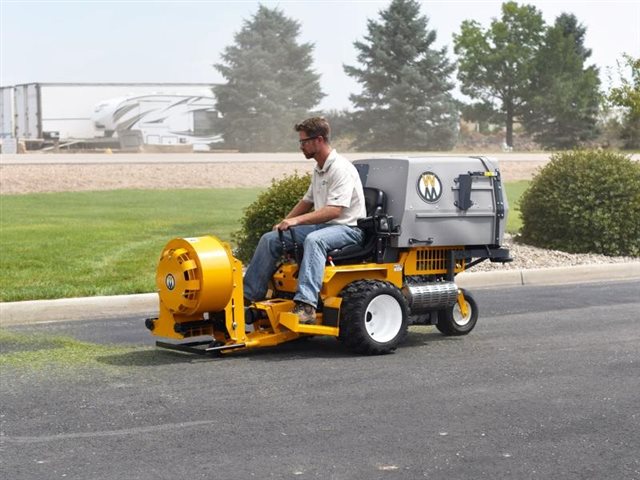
(429, 218)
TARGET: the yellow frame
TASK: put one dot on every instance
(278, 324)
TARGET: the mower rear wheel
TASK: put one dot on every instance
(451, 322)
(374, 317)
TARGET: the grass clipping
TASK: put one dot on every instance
(37, 351)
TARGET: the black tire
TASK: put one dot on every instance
(452, 323)
(370, 308)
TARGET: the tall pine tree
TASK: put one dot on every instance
(406, 100)
(270, 84)
(562, 109)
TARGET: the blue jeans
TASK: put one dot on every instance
(317, 240)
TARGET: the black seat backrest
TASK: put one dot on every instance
(375, 201)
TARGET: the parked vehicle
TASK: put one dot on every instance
(66, 113)
(161, 120)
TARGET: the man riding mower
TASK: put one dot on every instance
(427, 219)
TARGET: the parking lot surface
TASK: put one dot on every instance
(546, 386)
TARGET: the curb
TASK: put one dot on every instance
(146, 304)
(551, 276)
(84, 308)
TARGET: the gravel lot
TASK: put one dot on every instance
(37, 173)
(29, 173)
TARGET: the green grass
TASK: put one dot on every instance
(106, 243)
(514, 192)
(103, 243)
(60, 355)
(37, 351)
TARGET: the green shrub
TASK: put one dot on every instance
(584, 202)
(270, 207)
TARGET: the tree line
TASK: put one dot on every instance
(518, 70)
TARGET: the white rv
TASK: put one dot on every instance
(161, 120)
(40, 112)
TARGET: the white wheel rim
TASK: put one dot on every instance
(383, 318)
(461, 320)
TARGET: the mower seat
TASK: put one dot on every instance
(375, 203)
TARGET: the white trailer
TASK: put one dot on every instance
(38, 111)
(160, 120)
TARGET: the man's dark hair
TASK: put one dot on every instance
(315, 127)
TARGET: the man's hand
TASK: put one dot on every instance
(325, 214)
(286, 223)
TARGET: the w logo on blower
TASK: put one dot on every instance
(429, 187)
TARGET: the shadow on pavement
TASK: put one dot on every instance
(305, 347)
(146, 358)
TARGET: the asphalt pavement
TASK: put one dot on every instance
(546, 386)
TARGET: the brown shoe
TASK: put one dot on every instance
(305, 312)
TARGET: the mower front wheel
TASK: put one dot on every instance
(374, 317)
(452, 322)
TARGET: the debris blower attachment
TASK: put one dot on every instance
(197, 278)
(201, 294)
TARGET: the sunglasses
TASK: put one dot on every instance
(302, 141)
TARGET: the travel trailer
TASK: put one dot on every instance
(83, 113)
(160, 120)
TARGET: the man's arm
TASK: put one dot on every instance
(301, 207)
(299, 216)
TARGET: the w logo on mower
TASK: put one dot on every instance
(429, 187)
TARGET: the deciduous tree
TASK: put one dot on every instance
(627, 96)
(497, 64)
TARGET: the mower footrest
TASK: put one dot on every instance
(290, 320)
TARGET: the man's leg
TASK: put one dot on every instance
(316, 246)
(261, 267)
(265, 260)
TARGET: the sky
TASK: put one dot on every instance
(138, 41)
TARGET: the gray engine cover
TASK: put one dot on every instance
(422, 193)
